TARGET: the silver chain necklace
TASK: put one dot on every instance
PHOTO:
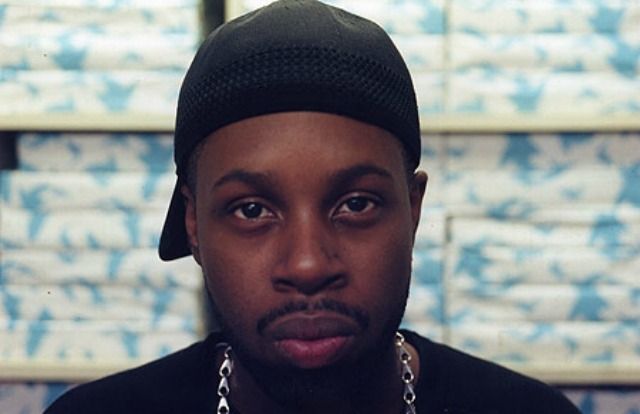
(406, 375)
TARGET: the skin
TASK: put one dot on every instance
(304, 208)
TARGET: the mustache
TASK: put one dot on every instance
(358, 315)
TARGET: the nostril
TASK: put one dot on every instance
(283, 285)
(336, 281)
(310, 286)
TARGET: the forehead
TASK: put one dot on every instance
(299, 140)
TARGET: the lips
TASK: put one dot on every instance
(312, 340)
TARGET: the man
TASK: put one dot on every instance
(296, 145)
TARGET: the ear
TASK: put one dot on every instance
(416, 194)
(190, 221)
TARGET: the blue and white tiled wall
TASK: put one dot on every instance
(550, 57)
(79, 275)
(502, 57)
(545, 247)
(528, 254)
(81, 285)
(541, 244)
(94, 56)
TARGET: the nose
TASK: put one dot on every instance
(310, 257)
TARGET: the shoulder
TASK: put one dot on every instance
(469, 385)
(163, 386)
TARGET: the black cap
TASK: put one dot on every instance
(292, 55)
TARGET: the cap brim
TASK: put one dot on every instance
(173, 240)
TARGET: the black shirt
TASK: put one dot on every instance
(450, 382)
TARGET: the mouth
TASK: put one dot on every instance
(312, 340)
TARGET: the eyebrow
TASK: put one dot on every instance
(253, 179)
(341, 178)
(348, 175)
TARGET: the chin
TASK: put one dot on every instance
(295, 387)
(345, 379)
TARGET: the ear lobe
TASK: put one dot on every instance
(416, 195)
(190, 221)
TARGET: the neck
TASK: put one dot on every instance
(380, 393)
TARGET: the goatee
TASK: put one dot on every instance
(347, 381)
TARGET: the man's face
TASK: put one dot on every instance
(303, 224)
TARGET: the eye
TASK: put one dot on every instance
(357, 205)
(251, 211)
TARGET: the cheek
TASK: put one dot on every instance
(383, 268)
(232, 267)
(236, 283)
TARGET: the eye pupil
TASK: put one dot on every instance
(357, 204)
(251, 210)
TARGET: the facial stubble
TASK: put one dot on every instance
(356, 381)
